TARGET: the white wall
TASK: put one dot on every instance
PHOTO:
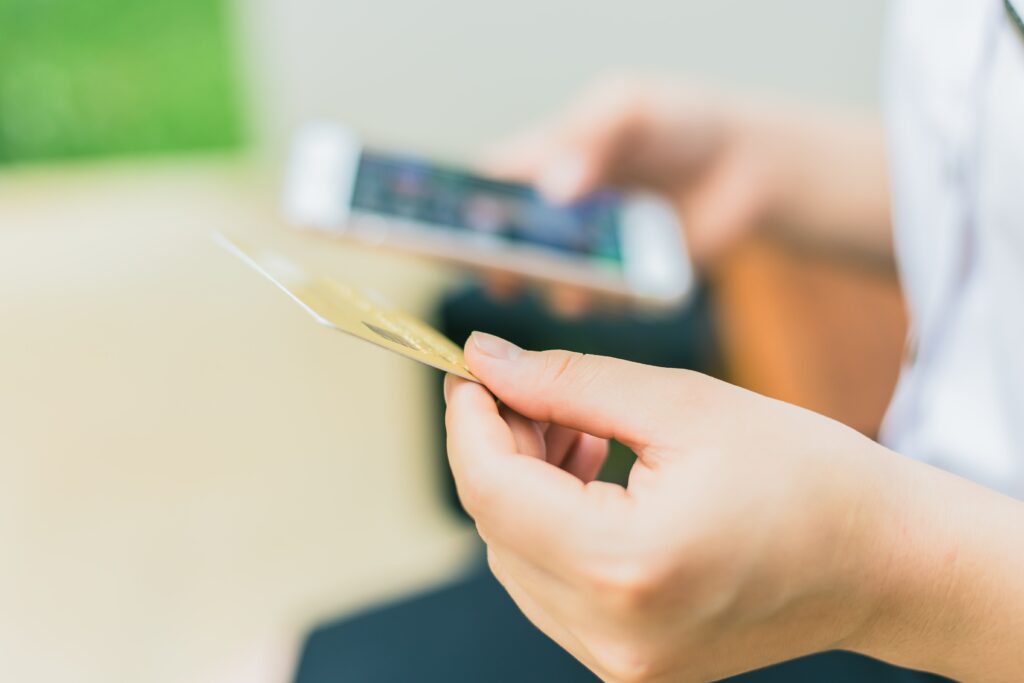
(450, 75)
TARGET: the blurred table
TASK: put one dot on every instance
(188, 464)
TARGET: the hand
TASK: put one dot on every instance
(730, 166)
(696, 148)
(750, 531)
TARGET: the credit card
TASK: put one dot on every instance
(348, 309)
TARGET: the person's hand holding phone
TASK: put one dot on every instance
(637, 133)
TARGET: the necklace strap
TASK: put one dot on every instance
(1015, 15)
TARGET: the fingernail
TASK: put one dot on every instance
(495, 347)
(562, 179)
(447, 387)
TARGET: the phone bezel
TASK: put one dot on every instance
(318, 195)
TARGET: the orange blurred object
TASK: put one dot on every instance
(812, 329)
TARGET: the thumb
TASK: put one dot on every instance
(569, 175)
(605, 397)
(562, 169)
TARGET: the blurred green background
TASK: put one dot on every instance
(93, 78)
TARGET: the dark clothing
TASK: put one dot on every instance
(471, 631)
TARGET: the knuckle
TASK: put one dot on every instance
(627, 587)
(628, 661)
(689, 388)
(476, 491)
(567, 369)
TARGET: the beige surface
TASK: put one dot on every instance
(187, 463)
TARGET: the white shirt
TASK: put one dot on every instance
(955, 114)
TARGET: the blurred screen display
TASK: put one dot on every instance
(411, 189)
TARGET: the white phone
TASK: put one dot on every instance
(620, 244)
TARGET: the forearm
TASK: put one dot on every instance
(827, 177)
(952, 598)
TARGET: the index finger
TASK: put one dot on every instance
(531, 506)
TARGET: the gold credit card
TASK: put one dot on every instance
(360, 314)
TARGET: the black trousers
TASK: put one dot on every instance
(471, 631)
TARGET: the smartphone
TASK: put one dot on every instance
(628, 245)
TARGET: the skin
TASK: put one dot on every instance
(730, 166)
(751, 531)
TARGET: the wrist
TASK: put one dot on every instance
(790, 145)
(943, 576)
(879, 571)
(768, 136)
(767, 144)
(863, 546)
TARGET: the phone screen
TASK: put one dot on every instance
(453, 200)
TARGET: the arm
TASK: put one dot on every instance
(952, 580)
(751, 531)
(732, 165)
(829, 181)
